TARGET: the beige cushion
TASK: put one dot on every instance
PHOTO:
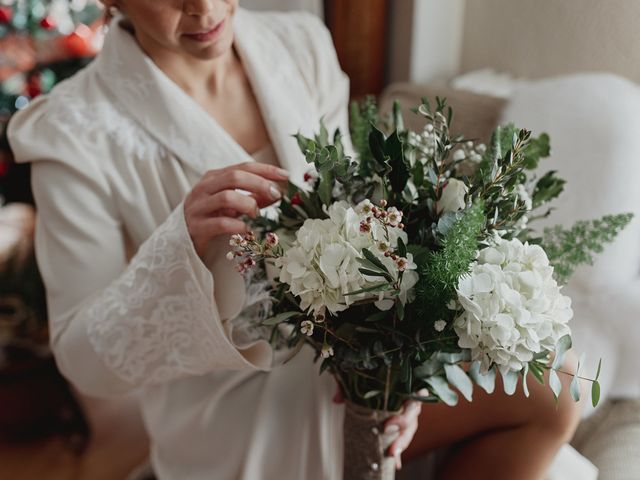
(611, 440)
(474, 115)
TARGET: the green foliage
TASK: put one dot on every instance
(440, 274)
(381, 358)
(363, 116)
(389, 159)
(548, 187)
(568, 248)
(330, 162)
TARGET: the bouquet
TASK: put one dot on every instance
(411, 265)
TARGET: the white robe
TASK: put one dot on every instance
(115, 149)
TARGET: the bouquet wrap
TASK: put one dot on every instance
(366, 445)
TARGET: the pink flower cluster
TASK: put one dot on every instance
(247, 248)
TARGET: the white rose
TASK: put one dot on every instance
(453, 196)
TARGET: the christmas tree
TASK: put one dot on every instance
(41, 43)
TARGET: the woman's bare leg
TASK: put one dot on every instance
(496, 436)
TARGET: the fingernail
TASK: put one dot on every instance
(398, 462)
(282, 172)
(393, 428)
(275, 193)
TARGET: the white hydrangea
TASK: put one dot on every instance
(512, 305)
(321, 267)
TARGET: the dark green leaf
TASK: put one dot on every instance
(281, 317)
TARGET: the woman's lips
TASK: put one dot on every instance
(207, 35)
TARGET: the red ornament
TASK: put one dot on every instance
(6, 14)
(4, 167)
(296, 199)
(34, 86)
(78, 43)
(48, 22)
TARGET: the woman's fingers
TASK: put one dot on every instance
(227, 203)
(259, 179)
(406, 424)
(264, 191)
(270, 172)
(204, 229)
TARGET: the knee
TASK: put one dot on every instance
(567, 417)
(560, 418)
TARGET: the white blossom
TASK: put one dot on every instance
(453, 197)
(306, 327)
(512, 305)
(524, 196)
(439, 325)
(321, 265)
(327, 351)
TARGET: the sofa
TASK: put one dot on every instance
(608, 437)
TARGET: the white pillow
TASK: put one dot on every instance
(594, 124)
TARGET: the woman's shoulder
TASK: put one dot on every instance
(76, 120)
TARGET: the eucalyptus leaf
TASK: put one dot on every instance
(563, 345)
(525, 387)
(510, 381)
(440, 387)
(486, 381)
(427, 369)
(554, 383)
(459, 379)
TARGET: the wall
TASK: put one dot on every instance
(425, 40)
(533, 39)
(313, 6)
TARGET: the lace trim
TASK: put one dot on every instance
(99, 118)
(154, 323)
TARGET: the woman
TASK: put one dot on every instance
(143, 152)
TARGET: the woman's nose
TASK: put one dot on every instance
(198, 7)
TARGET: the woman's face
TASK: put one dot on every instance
(198, 28)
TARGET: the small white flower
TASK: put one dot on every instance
(231, 255)
(364, 207)
(394, 216)
(459, 155)
(524, 196)
(327, 351)
(272, 239)
(306, 327)
(383, 246)
(453, 197)
(439, 325)
(237, 240)
(401, 263)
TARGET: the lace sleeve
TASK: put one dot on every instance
(159, 320)
(116, 326)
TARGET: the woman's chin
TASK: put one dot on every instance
(209, 51)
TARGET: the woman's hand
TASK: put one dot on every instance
(405, 424)
(213, 205)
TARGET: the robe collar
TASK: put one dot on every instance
(178, 122)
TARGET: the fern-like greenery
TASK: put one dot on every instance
(568, 248)
(440, 272)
